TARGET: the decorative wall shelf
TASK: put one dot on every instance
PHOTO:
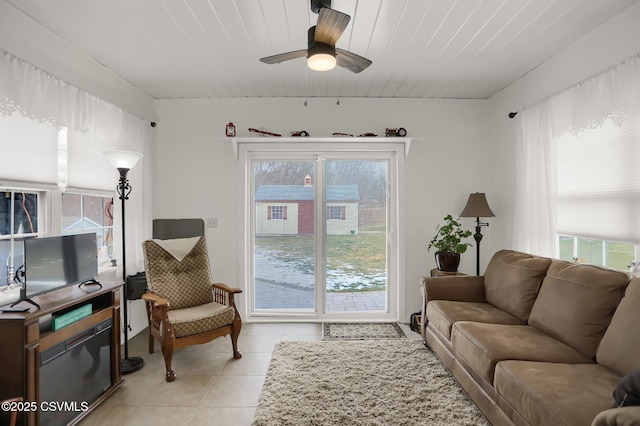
(303, 140)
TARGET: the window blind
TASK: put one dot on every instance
(599, 182)
(88, 167)
(29, 150)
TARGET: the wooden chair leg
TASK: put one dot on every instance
(148, 307)
(14, 413)
(167, 354)
(235, 332)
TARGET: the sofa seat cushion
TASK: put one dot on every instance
(442, 314)
(545, 393)
(482, 346)
(198, 319)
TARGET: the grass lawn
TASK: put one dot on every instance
(617, 255)
(354, 262)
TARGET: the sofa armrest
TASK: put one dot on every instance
(468, 288)
(621, 416)
(465, 288)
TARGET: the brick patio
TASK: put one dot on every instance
(283, 296)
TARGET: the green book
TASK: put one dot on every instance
(70, 317)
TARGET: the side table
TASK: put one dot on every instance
(435, 272)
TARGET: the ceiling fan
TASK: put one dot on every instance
(322, 53)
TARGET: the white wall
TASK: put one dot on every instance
(605, 46)
(196, 172)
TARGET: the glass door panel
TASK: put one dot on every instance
(284, 255)
(356, 235)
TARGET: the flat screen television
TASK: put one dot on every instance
(54, 262)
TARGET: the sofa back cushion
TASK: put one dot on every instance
(512, 281)
(620, 346)
(576, 303)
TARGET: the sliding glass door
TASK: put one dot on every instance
(319, 235)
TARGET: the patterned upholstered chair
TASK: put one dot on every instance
(184, 307)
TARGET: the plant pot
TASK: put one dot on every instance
(447, 262)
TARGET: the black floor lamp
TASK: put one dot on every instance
(477, 207)
(125, 161)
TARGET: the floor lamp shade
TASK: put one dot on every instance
(125, 161)
(477, 207)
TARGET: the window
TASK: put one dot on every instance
(18, 221)
(599, 194)
(336, 212)
(84, 213)
(277, 213)
(596, 252)
(32, 202)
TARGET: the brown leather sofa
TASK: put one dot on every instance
(537, 341)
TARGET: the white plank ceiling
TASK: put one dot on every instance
(419, 48)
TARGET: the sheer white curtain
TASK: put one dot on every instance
(29, 91)
(536, 166)
(587, 104)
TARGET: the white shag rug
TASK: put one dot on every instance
(362, 331)
(368, 382)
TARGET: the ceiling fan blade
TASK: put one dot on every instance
(281, 57)
(351, 61)
(330, 26)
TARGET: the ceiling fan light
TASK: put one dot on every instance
(321, 62)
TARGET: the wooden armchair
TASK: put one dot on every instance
(14, 412)
(183, 306)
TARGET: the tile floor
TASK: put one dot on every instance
(211, 388)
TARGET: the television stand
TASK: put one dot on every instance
(83, 356)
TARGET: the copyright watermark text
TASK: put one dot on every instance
(51, 406)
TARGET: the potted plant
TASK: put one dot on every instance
(448, 244)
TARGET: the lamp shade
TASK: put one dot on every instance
(477, 206)
(123, 159)
(321, 62)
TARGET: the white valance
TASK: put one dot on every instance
(589, 103)
(43, 97)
